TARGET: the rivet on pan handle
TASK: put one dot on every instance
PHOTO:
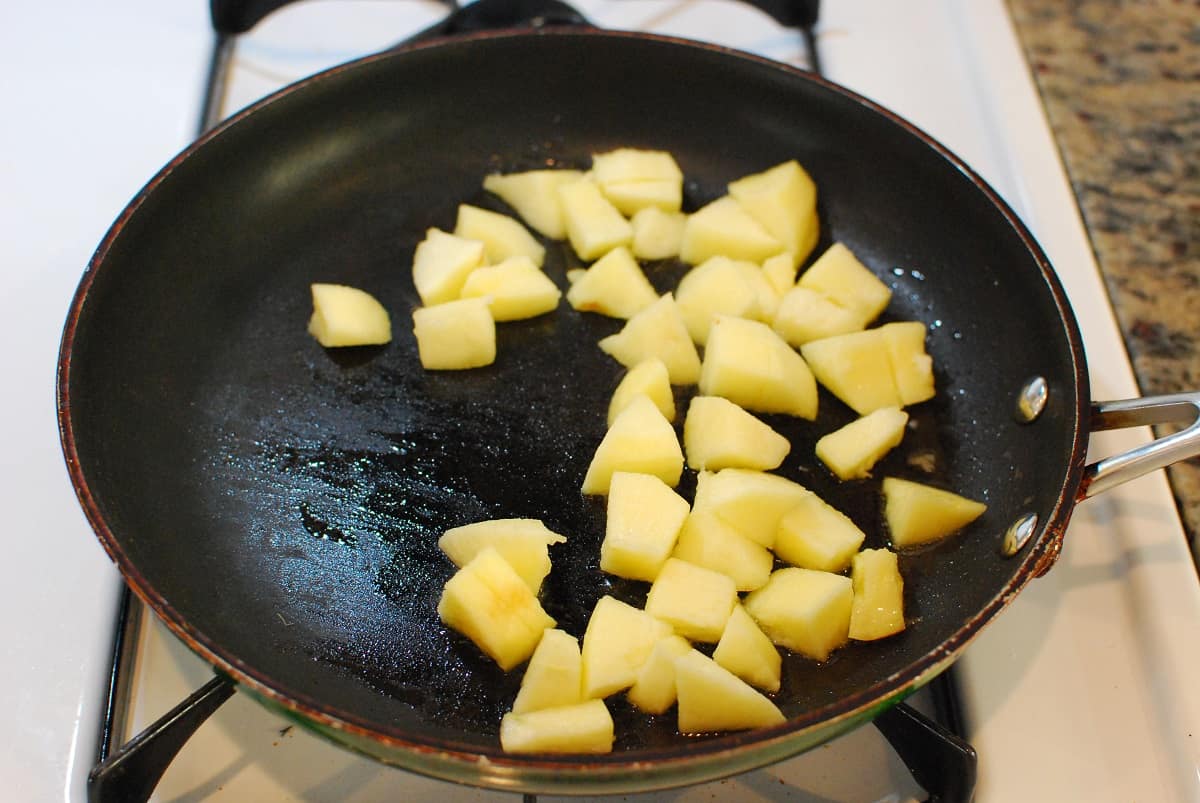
(1169, 409)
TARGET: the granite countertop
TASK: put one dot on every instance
(1121, 85)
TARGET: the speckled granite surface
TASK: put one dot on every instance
(1121, 83)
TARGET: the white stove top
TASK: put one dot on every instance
(1082, 690)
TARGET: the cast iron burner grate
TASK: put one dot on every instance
(932, 749)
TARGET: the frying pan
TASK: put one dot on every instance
(278, 504)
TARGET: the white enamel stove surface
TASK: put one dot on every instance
(1081, 691)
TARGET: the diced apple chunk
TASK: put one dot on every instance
(657, 331)
(347, 316)
(634, 179)
(804, 610)
(640, 440)
(585, 727)
(654, 689)
(694, 600)
(706, 540)
(752, 502)
(617, 642)
(716, 286)
(912, 368)
(456, 335)
(784, 200)
(489, 603)
(534, 196)
(657, 233)
(648, 378)
(515, 289)
(918, 514)
(614, 285)
(594, 226)
(815, 535)
(854, 367)
(851, 451)
(711, 698)
(724, 228)
(554, 675)
(878, 609)
(780, 271)
(718, 434)
(501, 235)
(754, 368)
(747, 652)
(839, 276)
(643, 521)
(521, 542)
(805, 315)
(441, 264)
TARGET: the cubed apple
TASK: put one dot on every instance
(524, 543)
(657, 331)
(489, 603)
(643, 520)
(648, 378)
(803, 610)
(713, 699)
(815, 535)
(784, 200)
(640, 440)
(617, 642)
(456, 335)
(707, 540)
(441, 264)
(717, 285)
(585, 727)
(724, 228)
(854, 367)
(747, 652)
(654, 689)
(515, 289)
(839, 276)
(805, 315)
(780, 271)
(534, 196)
(912, 368)
(718, 434)
(878, 609)
(554, 675)
(614, 285)
(749, 364)
(501, 235)
(656, 233)
(347, 316)
(752, 502)
(694, 600)
(853, 450)
(919, 514)
(594, 226)
(634, 179)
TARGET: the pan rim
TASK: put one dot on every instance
(1038, 555)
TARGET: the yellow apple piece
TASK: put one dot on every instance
(752, 502)
(749, 364)
(747, 652)
(657, 233)
(878, 609)
(585, 727)
(643, 520)
(919, 514)
(724, 228)
(441, 264)
(501, 235)
(347, 316)
(816, 535)
(716, 286)
(718, 434)
(534, 196)
(713, 699)
(839, 276)
(522, 542)
(784, 200)
(654, 689)
(614, 285)
(657, 331)
(856, 368)
(617, 642)
(803, 610)
(640, 440)
(455, 335)
(853, 450)
(780, 272)
(766, 299)
(648, 378)
(634, 179)
(694, 600)
(706, 540)
(554, 675)
(804, 315)
(594, 226)
(516, 289)
(912, 368)
(489, 603)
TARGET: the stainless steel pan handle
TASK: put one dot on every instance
(1169, 409)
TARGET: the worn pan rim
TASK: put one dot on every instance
(731, 752)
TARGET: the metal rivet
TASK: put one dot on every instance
(1018, 534)
(1031, 400)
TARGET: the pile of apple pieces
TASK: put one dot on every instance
(742, 304)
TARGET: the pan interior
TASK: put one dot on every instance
(280, 503)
